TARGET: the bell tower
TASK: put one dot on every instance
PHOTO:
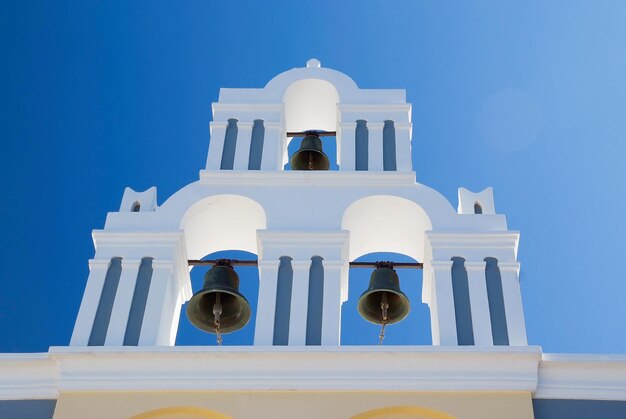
(312, 177)
(307, 224)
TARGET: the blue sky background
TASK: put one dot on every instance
(527, 97)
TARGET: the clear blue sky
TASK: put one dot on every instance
(527, 97)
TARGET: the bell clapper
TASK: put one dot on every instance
(217, 312)
(384, 318)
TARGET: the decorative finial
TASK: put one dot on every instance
(313, 63)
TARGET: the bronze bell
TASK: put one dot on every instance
(383, 302)
(310, 155)
(219, 297)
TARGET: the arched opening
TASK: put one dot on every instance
(136, 207)
(188, 334)
(311, 104)
(222, 222)
(386, 223)
(413, 330)
(395, 226)
(477, 208)
(222, 226)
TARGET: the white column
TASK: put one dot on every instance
(273, 140)
(177, 302)
(266, 306)
(516, 327)
(375, 146)
(346, 145)
(154, 330)
(479, 303)
(170, 315)
(331, 314)
(216, 145)
(91, 299)
(403, 147)
(122, 303)
(443, 320)
(242, 146)
(299, 302)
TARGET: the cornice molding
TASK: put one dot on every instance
(152, 244)
(347, 368)
(474, 239)
(221, 106)
(28, 376)
(304, 178)
(591, 377)
(407, 368)
(373, 107)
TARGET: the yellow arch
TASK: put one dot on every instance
(403, 412)
(181, 412)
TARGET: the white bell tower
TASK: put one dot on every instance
(304, 226)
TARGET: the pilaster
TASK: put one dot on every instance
(335, 275)
(346, 145)
(403, 147)
(273, 142)
(509, 273)
(299, 302)
(479, 303)
(375, 146)
(159, 312)
(216, 144)
(443, 322)
(122, 303)
(266, 307)
(242, 147)
(91, 299)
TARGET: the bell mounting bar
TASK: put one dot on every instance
(406, 265)
(314, 132)
(232, 262)
(236, 262)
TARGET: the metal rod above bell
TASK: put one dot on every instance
(219, 307)
(310, 156)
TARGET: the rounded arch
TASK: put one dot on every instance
(222, 222)
(346, 88)
(403, 412)
(181, 412)
(311, 104)
(386, 223)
